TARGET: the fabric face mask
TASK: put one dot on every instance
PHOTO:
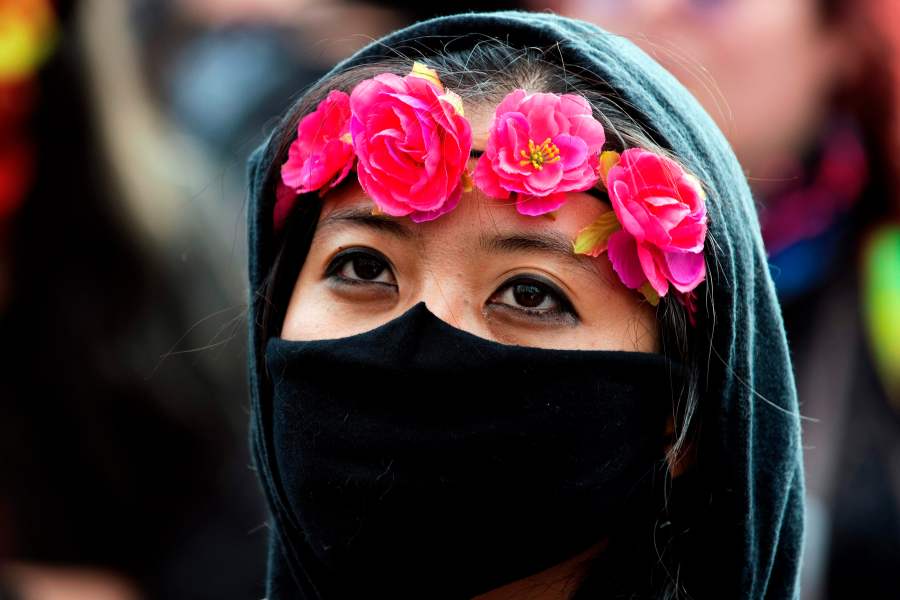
(418, 460)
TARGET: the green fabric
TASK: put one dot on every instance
(751, 428)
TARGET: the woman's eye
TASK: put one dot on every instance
(534, 298)
(355, 267)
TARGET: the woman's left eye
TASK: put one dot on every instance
(534, 298)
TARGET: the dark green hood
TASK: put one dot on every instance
(749, 543)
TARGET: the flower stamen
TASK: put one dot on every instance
(536, 156)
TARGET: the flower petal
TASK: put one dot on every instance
(430, 215)
(647, 254)
(539, 205)
(543, 180)
(685, 269)
(622, 251)
(486, 179)
(573, 151)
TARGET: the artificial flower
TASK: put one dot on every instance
(412, 143)
(661, 225)
(321, 156)
(539, 147)
(663, 210)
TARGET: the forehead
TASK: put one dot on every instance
(476, 214)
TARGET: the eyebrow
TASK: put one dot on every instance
(552, 243)
(362, 215)
(546, 242)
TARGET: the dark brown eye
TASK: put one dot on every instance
(360, 267)
(365, 267)
(534, 298)
(528, 295)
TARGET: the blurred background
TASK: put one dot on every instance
(124, 130)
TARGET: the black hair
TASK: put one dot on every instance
(483, 75)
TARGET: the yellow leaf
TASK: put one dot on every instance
(422, 70)
(453, 100)
(696, 183)
(592, 239)
(467, 183)
(649, 293)
(608, 160)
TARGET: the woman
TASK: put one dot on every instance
(473, 375)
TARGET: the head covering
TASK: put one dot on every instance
(749, 543)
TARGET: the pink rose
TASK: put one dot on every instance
(539, 147)
(412, 143)
(662, 211)
(321, 155)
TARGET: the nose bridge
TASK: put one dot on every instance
(444, 296)
(443, 290)
(444, 273)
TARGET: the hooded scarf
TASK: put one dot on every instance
(747, 544)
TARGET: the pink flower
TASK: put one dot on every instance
(321, 155)
(662, 212)
(412, 143)
(540, 146)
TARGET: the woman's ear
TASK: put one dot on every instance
(679, 462)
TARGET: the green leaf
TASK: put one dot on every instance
(649, 293)
(592, 239)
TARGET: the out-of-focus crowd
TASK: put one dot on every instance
(124, 129)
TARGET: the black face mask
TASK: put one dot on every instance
(418, 460)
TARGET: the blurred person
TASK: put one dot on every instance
(221, 68)
(122, 476)
(806, 92)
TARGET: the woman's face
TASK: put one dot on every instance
(483, 268)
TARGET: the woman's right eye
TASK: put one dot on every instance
(357, 267)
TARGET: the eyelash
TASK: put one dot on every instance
(338, 262)
(563, 310)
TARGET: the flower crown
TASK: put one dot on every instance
(409, 141)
